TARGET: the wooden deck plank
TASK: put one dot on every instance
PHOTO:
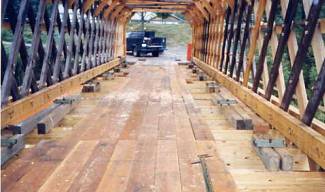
(136, 135)
(67, 171)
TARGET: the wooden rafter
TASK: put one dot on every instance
(162, 10)
(101, 6)
(87, 4)
(118, 9)
(111, 8)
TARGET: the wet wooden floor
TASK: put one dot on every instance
(142, 133)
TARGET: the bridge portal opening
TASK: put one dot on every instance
(248, 102)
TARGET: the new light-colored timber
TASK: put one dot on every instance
(307, 139)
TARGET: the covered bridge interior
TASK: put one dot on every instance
(163, 125)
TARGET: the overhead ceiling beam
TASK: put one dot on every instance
(111, 8)
(155, 2)
(87, 4)
(206, 5)
(116, 11)
(101, 6)
(158, 10)
(203, 12)
(159, 6)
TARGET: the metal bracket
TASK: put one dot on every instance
(66, 100)
(226, 101)
(207, 179)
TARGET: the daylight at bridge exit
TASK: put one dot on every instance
(162, 95)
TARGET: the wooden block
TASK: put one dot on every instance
(235, 115)
(183, 63)
(212, 87)
(29, 124)
(246, 121)
(268, 140)
(14, 145)
(286, 163)
(259, 125)
(202, 77)
(117, 69)
(130, 62)
(108, 76)
(269, 157)
(53, 118)
(124, 64)
(91, 87)
(124, 74)
(194, 70)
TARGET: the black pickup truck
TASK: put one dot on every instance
(143, 42)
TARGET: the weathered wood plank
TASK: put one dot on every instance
(8, 152)
(56, 115)
(61, 179)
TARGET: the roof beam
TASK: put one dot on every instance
(101, 6)
(87, 4)
(159, 6)
(203, 12)
(157, 10)
(118, 9)
(111, 8)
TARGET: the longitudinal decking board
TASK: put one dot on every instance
(126, 142)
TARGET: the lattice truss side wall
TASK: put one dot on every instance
(245, 47)
(51, 47)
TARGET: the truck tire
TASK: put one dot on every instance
(135, 52)
(155, 54)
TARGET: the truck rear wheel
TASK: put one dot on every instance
(136, 53)
(155, 54)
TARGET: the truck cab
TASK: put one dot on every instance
(144, 42)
